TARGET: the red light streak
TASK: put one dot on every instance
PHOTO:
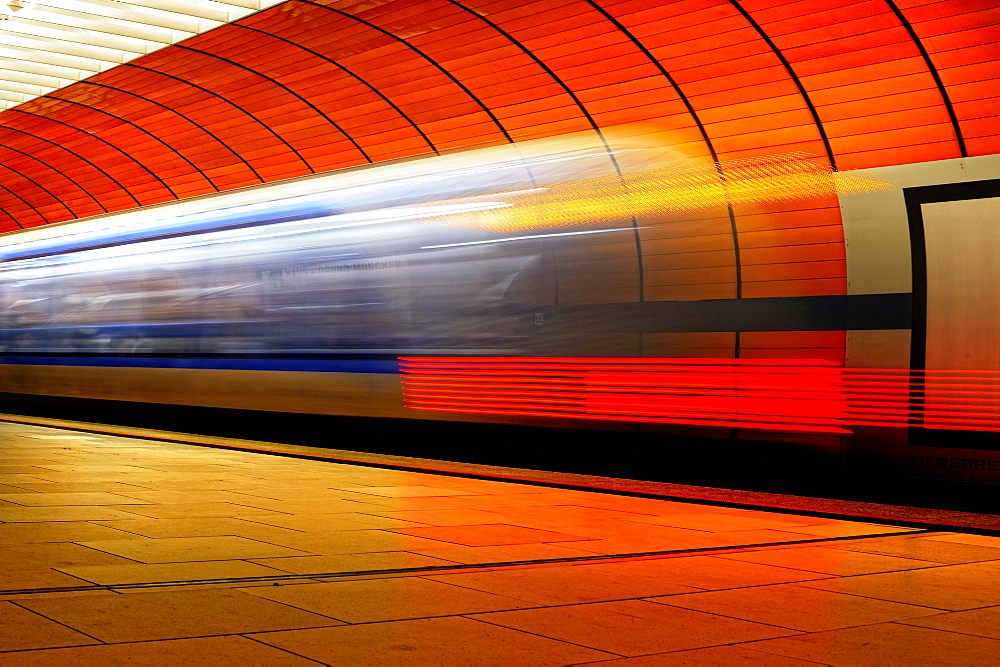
(802, 395)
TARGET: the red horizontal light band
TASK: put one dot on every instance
(803, 395)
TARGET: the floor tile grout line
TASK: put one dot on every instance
(785, 627)
(249, 635)
(773, 507)
(155, 641)
(697, 648)
(58, 622)
(932, 565)
(649, 598)
(872, 597)
(743, 644)
(430, 569)
(470, 615)
(641, 598)
(966, 633)
(739, 644)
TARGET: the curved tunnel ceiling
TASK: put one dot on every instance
(45, 46)
(314, 85)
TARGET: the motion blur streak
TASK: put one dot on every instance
(649, 189)
(801, 395)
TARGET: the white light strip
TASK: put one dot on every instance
(309, 226)
(450, 185)
(82, 37)
(310, 190)
(533, 236)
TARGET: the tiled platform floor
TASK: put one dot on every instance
(118, 550)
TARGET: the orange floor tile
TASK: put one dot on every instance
(124, 550)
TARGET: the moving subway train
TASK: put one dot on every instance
(558, 283)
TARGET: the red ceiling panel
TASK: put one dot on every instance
(316, 85)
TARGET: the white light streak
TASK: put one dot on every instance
(533, 236)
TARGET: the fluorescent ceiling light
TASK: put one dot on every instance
(48, 44)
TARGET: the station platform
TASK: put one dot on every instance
(127, 547)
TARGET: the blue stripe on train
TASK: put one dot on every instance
(311, 365)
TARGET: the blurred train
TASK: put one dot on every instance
(450, 287)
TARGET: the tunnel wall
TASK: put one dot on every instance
(907, 88)
(312, 85)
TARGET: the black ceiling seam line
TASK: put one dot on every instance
(795, 79)
(548, 70)
(185, 117)
(12, 218)
(227, 101)
(734, 230)
(663, 71)
(590, 119)
(43, 188)
(74, 153)
(288, 90)
(103, 141)
(60, 172)
(141, 129)
(25, 202)
(949, 107)
(437, 65)
(353, 75)
(472, 96)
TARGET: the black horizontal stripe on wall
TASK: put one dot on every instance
(804, 313)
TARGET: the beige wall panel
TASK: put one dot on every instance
(878, 242)
(963, 284)
(875, 225)
(877, 234)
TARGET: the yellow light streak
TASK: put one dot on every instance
(668, 191)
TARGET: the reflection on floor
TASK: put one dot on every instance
(119, 550)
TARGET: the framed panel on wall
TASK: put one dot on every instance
(955, 351)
